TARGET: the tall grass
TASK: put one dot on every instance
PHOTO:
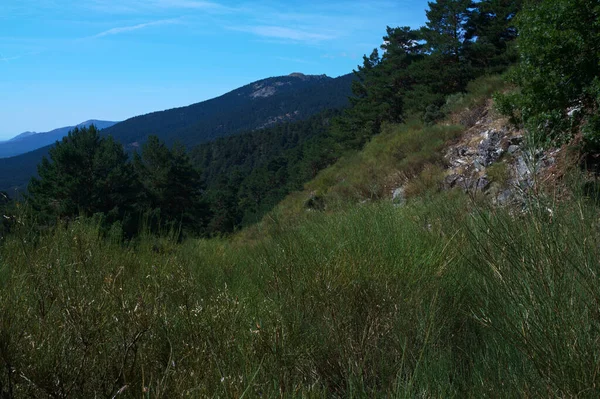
(442, 298)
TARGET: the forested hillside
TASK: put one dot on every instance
(437, 238)
(248, 174)
(259, 105)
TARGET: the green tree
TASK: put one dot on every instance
(85, 175)
(381, 85)
(223, 199)
(491, 31)
(6, 214)
(559, 70)
(445, 36)
(173, 188)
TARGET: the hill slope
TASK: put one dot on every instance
(423, 299)
(30, 141)
(258, 105)
(254, 106)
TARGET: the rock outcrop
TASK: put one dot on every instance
(491, 158)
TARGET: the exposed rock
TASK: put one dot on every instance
(513, 148)
(482, 184)
(516, 140)
(399, 196)
(266, 91)
(523, 171)
(505, 197)
(571, 112)
(451, 180)
(482, 146)
(278, 119)
(488, 150)
(478, 165)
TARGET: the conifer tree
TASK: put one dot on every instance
(445, 36)
(173, 188)
(382, 82)
(491, 31)
(84, 175)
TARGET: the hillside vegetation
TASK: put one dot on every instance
(259, 105)
(338, 291)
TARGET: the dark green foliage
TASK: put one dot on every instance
(559, 70)
(418, 69)
(254, 106)
(445, 30)
(85, 174)
(261, 104)
(382, 83)
(172, 187)
(6, 214)
(248, 174)
(446, 69)
(492, 31)
(91, 175)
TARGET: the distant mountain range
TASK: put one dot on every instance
(29, 141)
(257, 105)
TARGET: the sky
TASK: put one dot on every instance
(63, 62)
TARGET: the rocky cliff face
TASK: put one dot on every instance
(492, 158)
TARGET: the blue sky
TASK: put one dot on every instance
(66, 61)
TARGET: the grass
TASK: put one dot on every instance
(407, 154)
(374, 301)
(443, 297)
(401, 153)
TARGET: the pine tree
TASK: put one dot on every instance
(445, 36)
(382, 82)
(491, 31)
(85, 175)
(173, 188)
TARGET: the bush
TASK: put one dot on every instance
(558, 69)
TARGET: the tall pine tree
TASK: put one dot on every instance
(445, 36)
(86, 174)
(173, 188)
(491, 31)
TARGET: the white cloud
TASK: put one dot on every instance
(193, 4)
(295, 60)
(279, 32)
(125, 29)
(142, 6)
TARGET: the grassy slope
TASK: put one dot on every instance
(441, 298)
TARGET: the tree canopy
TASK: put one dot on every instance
(172, 187)
(85, 174)
(559, 70)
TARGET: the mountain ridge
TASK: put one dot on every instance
(288, 98)
(31, 141)
(271, 98)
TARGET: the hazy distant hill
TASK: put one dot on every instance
(258, 105)
(29, 141)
